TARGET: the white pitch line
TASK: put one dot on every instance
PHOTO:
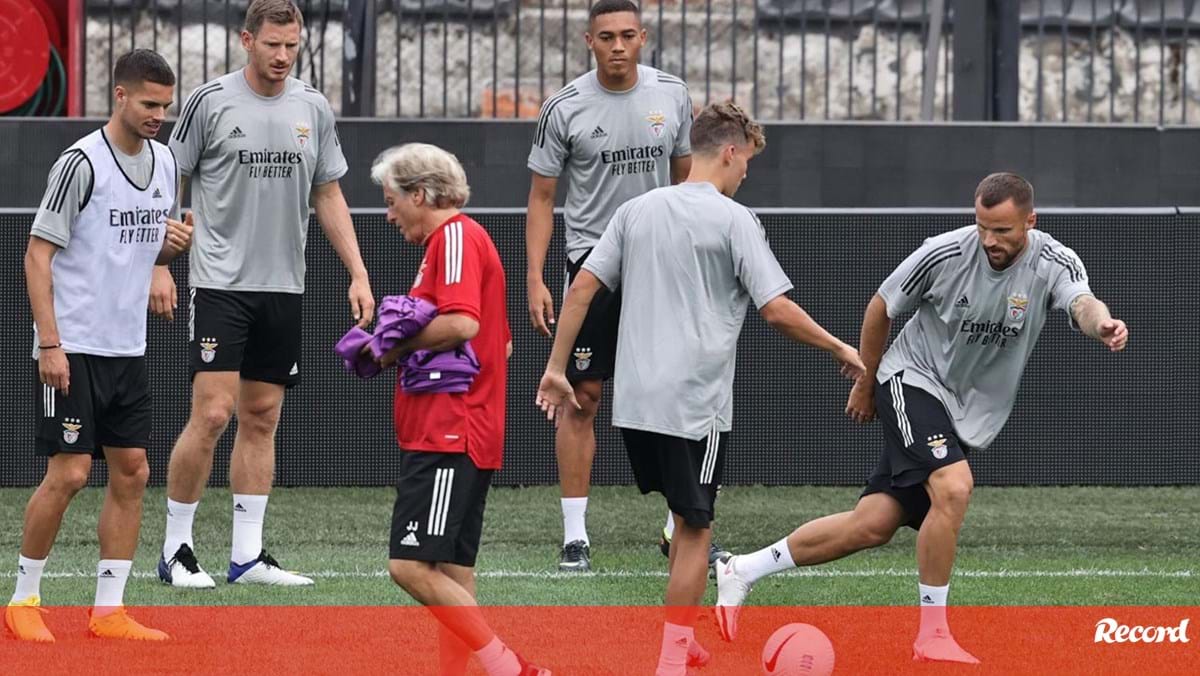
(650, 574)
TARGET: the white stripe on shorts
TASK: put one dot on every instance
(901, 417)
(709, 465)
(47, 401)
(439, 506)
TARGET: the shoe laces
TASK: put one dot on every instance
(186, 558)
(266, 558)
(574, 550)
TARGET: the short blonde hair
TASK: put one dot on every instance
(722, 123)
(280, 12)
(421, 166)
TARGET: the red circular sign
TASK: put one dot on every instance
(24, 52)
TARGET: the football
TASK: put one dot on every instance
(798, 650)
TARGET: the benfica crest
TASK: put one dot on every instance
(1017, 304)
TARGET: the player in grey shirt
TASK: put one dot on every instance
(260, 148)
(946, 385)
(614, 133)
(690, 261)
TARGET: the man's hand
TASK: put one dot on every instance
(555, 393)
(388, 358)
(179, 235)
(861, 405)
(541, 306)
(850, 363)
(362, 303)
(164, 297)
(54, 370)
(1114, 334)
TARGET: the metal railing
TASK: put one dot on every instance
(782, 65)
(1110, 60)
(1080, 60)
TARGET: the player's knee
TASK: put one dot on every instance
(588, 395)
(407, 574)
(258, 419)
(953, 496)
(67, 481)
(129, 478)
(874, 535)
(212, 416)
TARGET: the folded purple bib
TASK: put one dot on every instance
(450, 371)
(349, 348)
(400, 318)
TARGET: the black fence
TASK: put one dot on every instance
(1077, 61)
(1084, 416)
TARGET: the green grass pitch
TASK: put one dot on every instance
(1020, 546)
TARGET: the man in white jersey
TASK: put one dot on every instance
(615, 132)
(260, 148)
(108, 216)
(689, 261)
(981, 295)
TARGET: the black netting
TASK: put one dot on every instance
(1083, 416)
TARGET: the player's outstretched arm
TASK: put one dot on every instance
(334, 215)
(792, 321)
(1093, 319)
(539, 226)
(860, 406)
(555, 391)
(52, 361)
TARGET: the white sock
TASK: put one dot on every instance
(675, 641)
(669, 529)
(111, 576)
(248, 514)
(574, 524)
(764, 562)
(933, 609)
(498, 660)
(179, 527)
(29, 578)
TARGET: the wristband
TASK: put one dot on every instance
(49, 347)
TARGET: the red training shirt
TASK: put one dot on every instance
(461, 273)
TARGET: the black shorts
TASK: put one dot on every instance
(108, 405)
(595, 352)
(438, 516)
(686, 472)
(918, 438)
(254, 333)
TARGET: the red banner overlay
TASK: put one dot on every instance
(612, 640)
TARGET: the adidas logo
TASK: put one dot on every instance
(682, 641)
(295, 369)
(599, 132)
(20, 570)
(775, 554)
(237, 133)
(157, 194)
(962, 302)
(239, 508)
(926, 599)
(410, 540)
(107, 573)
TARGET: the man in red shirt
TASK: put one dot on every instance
(452, 443)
